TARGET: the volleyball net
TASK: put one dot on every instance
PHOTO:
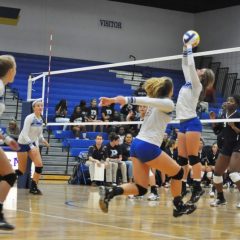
(224, 62)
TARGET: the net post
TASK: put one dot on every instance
(29, 91)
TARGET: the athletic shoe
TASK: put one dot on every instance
(34, 189)
(152, 197)
(4, 225)
(105, 198)
(217, 202)
(135, 197)
(211, 194)
(238, 205)
(182, 209)
(195, 196)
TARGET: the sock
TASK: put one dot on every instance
(154, 190)
(177, 200)
(184, 186)
(196, 185)
(220, 196)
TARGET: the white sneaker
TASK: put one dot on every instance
(238, 205)
(152, 197)
(217, 202)
(211, 194)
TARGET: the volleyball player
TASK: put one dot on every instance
(8, 176)
(229, 153)
(28, 140)
(197, 81)
(145, 149)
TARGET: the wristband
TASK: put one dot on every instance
(31, 146)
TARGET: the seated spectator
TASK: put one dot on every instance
(61, 112)
(126, 154)
(165, 141)
(140, 91)
(121, 133)
(78, 117)
(114, 155)
(13, 130)
(84, 109)
(132, 116)
(97, 154)
(124, 111)
(92, 115)
(108, 113)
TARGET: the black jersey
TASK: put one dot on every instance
(108, 111)
(99, 154)
(212, 158)
(113, 152)
(228, 133)
(93, 112)
(125, 151)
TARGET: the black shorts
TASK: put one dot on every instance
(229, 147)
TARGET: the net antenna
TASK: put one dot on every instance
(112, 65)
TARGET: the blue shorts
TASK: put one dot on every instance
(25, 147)
(144, 151)
(191, 125)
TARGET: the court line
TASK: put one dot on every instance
(105, 225)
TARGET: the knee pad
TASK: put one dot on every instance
(38, 170)
(179, 175)
(209, 174)
(10, 178)
(217, 179)
(141, 190)
(182, 161)
(193, 160)
(235, 176)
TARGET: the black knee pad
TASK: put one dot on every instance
(38, 170)
(182, 161)
(10, 178)
(193, 160)
(141, 190)
(179, 175)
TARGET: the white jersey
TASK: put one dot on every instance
(32, 130)
(2, 90)
(189, 93)
(157, 117)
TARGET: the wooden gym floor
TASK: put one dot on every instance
(70, 212)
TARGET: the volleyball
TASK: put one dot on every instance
(191, 37)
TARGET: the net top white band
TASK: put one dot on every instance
(137, 62)
(138, 122)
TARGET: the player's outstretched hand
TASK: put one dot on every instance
(104, 101)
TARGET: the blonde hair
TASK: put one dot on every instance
(207, 80)
(158, 87)
(7, 62)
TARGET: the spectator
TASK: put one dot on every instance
(140, 91)
(126, 154)
(121, 133)
(13, 130)
(84, 109)
(114, 155)
(61, 112)
(77, 116)
(97, 154)
(92, 115)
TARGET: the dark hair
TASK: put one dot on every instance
(99, 135)
(62, 103)
(237, 99)
(82, 103)
(113, 136)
